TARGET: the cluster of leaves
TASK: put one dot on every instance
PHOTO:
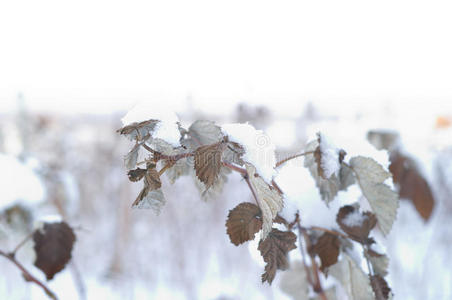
(208, 155)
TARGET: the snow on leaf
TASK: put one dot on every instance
(379, 262)
(356, 224)
(138, 131)
(269, 200)
(380, 287)
(274, 251)
(328, 188)
(327, 248)
(354, 281)
(208, 163)
(294, 281)
(259, 149)
(53, 247)
(243, 222)
(382, 199)
(327, 157)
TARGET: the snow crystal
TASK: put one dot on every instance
(167, 129)
(19, 183)
(330, 156)
(354, 219)
(259, 149)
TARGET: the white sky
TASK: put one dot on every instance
(101, 55)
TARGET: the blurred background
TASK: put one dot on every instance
(69, 71)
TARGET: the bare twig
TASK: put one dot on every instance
(336, 233)
(234, 168)
(317, 286)
(292, 157)
(13, 253)
(28, 276)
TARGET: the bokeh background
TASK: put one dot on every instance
(69, 71)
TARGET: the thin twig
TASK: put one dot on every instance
(28, 276)
(247, 179)
(315, 270)
(13, 253)
(292, 157)
(234, 168)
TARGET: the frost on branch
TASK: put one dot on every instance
(269, 200)
(243, 222)
(382, 199)
(274, 250)
(53, 247)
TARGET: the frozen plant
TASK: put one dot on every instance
(209, 152)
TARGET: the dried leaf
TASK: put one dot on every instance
(152, 179)
(53, 247)
(269, 200)
(274, 250)
(380, 287)
(412, 185)
(382, 199)
(355, 283)
(136, 175)
(138, 131)
(214, 191)
(180, 168)
(294, 281)
(356, 224)
(328, 188)
(243, 222)
(327, 248)
(208, 163)
(379, 262)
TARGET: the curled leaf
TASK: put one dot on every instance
(136, 175)
(269, 200)
(380, 287)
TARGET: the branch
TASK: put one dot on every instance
(317, 286)
(234, 168)
(292, 157)
(28, 276)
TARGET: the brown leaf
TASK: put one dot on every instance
(327, 248)
(138, 130)
(318, 160)
(243, 222)
(380, 287)
(152, 179)
(208, 163)
(53, 247)
(136, 175)
(412, 184)
(274, 250)
(357, 225)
